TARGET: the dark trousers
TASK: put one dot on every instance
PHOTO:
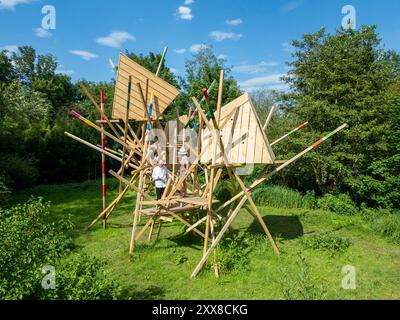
(160, 192)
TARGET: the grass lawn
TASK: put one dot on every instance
(161, 270)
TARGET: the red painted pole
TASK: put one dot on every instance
(103, 159)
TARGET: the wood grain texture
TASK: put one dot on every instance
(164, 92)
(243, 137)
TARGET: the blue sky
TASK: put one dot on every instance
(252, 35)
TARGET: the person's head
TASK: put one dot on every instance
(160, 163)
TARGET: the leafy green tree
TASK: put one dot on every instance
(39, 73)
(335, 79)
(202, 70)
(6, 68)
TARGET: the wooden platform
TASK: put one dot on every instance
(179, 205)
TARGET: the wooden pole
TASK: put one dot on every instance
(220, 95)
(255, 184)
(269, 118)
(103, 160)
(265, 177)
(302, 126)
(128, 103)
(90, 97)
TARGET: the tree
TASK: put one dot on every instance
(7, 73)
(202, 70)
(39, 73)
(335, 79)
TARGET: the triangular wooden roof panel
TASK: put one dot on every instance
(164, 92)
(242, 134)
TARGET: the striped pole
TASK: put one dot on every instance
(203, 99)
(107, 134)
(244, 198)
(302, 126)
(283, 166)
(103, 159)
(110, 150)
(152, 97)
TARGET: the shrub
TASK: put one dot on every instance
(221, 193)
(299, 285)
(326, 242)
(4, 190)
(340, 204)
(282, 197)
(81, 277)
(20, 172)
(232, 255)
(27, 244)
(388, 226)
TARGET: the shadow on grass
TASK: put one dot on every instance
(150, 293)
(285, 227)
(187, 240)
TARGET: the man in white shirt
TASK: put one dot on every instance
(160, 177)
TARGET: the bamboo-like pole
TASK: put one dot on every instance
(302, 126)
(269, 118)
(90, 97)
(254, 185)
(265, 177)
(220, 95)
(103, 160)
(98, 149)
(128, 103)
(91, 124)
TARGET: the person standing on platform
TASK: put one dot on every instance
(160, 177)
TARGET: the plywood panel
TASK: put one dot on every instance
(243, 138)
(164, 92)
(244, 132)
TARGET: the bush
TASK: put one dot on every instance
(232, 255)
(299, 285)
(340, 204)
(4, 190)
(326, 242)
(27, 244)
(221, 193)
(20, 172)
(282, 197)
(80, 277)
(388, 226)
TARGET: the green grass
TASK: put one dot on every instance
(161, 270)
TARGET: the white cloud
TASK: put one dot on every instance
(222, 56)
(42, 33)
(255, 68)
(11, 4)
(221, 36)
(188, 2)
(287, 47)
(10, 48)
(292, 5)
(85, 55)
(115, 39)
(173, 70)
(198, 47)
(184, 13)
(234, 22)
(62, 70)
(180, 51)
(269, 82)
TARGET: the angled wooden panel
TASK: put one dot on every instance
(242, 135)
(164, 93)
